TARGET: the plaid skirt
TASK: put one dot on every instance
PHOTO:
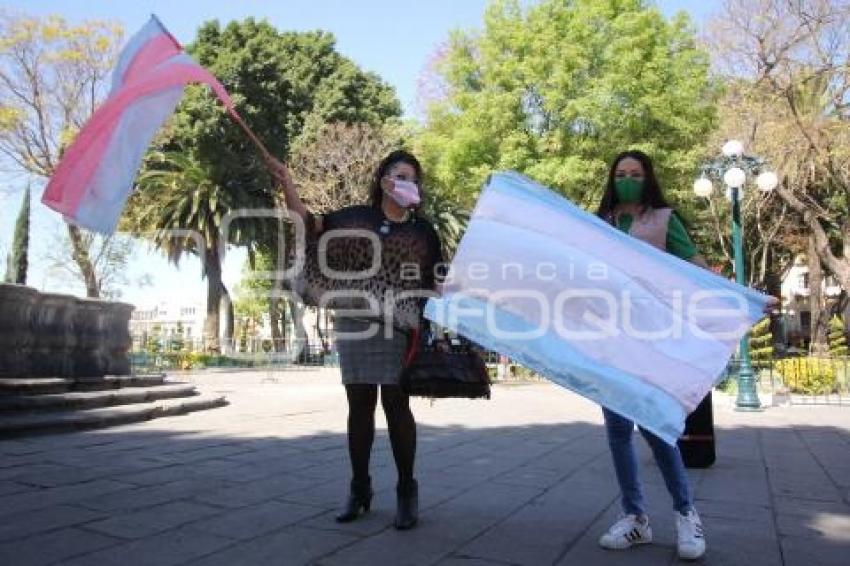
(376, 360)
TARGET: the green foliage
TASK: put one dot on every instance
(198, 360)
(181, 210)
(761, 341)
(282, 83)
(175, 192)
(205, 166)
(837, 337)
(153, 345)
(557, 89)
(808, 376)
(448, 217)
(16, 268)
(729, 386)
(177, 342)
(251, 297)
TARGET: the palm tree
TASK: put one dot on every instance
(181, 210)
(448, 218)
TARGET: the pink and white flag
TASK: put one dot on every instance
(95, 176)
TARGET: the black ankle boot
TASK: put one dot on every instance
(407, 511)
(359, 498)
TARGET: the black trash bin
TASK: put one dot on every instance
(697, 442)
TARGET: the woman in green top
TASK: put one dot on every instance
(633, 203)
(632, 192)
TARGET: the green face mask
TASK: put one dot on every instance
(629, 189)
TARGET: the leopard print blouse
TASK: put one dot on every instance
(342, 271)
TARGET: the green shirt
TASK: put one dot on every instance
(678, 242)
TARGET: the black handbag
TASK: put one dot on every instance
(430, 371)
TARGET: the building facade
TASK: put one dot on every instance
(796, 302)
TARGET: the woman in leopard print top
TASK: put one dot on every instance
(375, 265)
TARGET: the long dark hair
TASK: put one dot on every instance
(651, 197)
(376, 193)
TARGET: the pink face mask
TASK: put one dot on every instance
(405, 193)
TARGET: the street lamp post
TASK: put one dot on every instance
(734, 178)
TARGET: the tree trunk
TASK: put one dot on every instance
(284, 308)
(229, 316)
(838, 266)
(274, 322)
(81, 256)
(322, 341)
(302, 339)
(773, 287)
(818, 308)
(276, 306)
(214, 286)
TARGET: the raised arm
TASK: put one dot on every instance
(294, 203)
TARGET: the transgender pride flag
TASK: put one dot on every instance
(601, 313)
(92, 182)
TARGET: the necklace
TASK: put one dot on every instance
(386, 223)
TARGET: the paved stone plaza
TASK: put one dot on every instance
(522, 479)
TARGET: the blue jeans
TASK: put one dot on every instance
(668, 458)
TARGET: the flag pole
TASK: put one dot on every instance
(267, 156)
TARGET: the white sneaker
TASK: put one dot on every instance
(628, 531)
(690, 540)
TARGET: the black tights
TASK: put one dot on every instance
(362, 400)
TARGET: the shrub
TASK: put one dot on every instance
(808, 376)
(761, 342)
(837, 337)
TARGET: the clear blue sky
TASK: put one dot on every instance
(391, 38)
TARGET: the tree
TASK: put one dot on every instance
(52, 77)
(108, 256)
(176, 341)
(761, 341)
(153, 345)
(333, 164)
(837, 337)
(556, 89)
(251, 302)
(180, 211)
(283, 83)
(16, 268)
(448, 216)
(792, 103)
(770, 240)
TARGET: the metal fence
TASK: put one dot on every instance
(192, 355)
(822, 380)
(799, 378)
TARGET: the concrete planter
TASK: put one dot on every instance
(17, 340)
(53, 335)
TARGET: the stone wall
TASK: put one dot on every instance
(52, 335)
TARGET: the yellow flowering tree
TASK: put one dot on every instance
(53, 74)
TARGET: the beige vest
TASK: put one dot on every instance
(651, 226)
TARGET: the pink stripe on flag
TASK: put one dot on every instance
(95, 175)
(70, 182)
(154, 52)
